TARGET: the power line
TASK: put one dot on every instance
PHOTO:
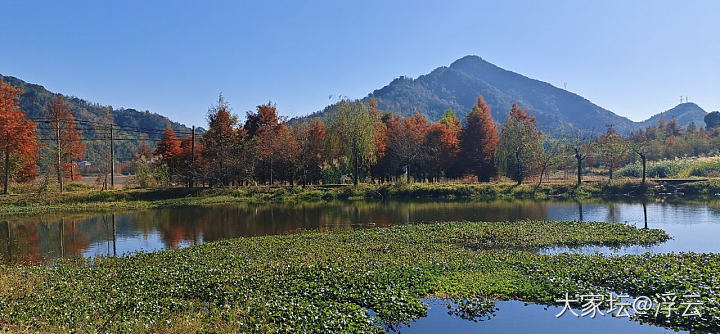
(101, 124)
(48, 127)
(87, 121)
(101, 139)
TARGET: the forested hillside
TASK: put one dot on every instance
(133, 127)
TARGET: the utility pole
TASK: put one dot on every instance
(59, 153)
(112, 159)
(192, 159)
(7, 164)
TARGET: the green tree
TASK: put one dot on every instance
(352, 131)
(712, 120)
(520, 145)
(612, 149)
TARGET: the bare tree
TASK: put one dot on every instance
(550, 156)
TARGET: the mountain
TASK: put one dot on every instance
(457, 86)
(134, 127)
(557, 111)
(684, 114)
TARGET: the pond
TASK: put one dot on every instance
(693, 225)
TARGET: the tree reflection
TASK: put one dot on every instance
(580, 211)
(36, 240)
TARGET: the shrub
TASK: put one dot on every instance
(704, 168)
(656, 169)
(77, 186)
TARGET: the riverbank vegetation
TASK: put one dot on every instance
(89, 199)
(675, 168)
(327, 282)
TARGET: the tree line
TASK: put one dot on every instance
(359, 142)
(364, 144)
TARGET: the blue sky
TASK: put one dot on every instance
(634, 58)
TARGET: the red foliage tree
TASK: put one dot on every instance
(169, 150)
(285, 153)
(673, 129)
(191, 164)
(18, 140)
(381, 168)
(479, 141)
(265, 118)
(219, 141)
(517, 113)
(442, 145)
(71, 147)
(311, 138)
(274, 146)
(405, 143)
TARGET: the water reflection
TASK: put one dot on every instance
(516, 317)
(37, 239)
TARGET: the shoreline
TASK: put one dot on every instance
(138, 199)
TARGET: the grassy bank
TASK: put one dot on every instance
(95, 200)
(676, 168)
(324, 282)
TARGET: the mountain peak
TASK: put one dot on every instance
(458, 85)
(684, 113)
(469, 59)
(687, 105)
(473, 64)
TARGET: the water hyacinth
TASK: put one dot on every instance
(317, 282)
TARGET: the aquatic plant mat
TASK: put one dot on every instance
(328, 282)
